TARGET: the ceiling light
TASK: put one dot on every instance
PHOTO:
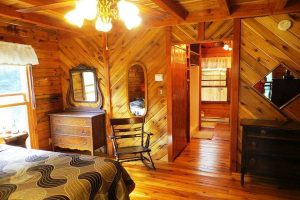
(105, 11)
(74, 17)
(87, 8)
(102, 25)
(226, 47)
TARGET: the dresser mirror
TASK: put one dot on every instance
(83, 83)
(280, 86)
(84, 92)
(137, 89)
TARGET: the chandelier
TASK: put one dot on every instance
(104, 11)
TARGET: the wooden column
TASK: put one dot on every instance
(105, 55)
(201, 37)
(168, 33)
(235, 78)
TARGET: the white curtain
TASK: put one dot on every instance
(17, 54)
(216, 62)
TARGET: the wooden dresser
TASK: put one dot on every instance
(271, 148)
(78, 130)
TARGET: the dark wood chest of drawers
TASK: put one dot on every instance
(271, 148)
(78, 130)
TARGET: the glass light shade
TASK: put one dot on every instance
(226, 47)
(75, 18)
(127, 9)
(132, 22)
(230, 49)
(87, 8)
(103, 26)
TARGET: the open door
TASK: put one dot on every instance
(177, 101)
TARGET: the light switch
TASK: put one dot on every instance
(159, 77)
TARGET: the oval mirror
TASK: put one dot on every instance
(137, 89)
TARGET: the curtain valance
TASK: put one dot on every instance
(17, 54)
(216, 62)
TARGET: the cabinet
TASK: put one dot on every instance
(271, 148)
(78, 130)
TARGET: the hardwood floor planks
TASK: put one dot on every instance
(201, 172)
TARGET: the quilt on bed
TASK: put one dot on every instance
(36, 174)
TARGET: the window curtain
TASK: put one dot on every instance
(216, 63)
(17, 54)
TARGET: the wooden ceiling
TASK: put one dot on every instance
(155, 13)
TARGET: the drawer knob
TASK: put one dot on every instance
(253, 144)
(263, 132)
(252, 162)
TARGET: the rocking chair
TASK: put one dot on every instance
(131, 128)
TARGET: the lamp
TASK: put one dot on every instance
(104, 11)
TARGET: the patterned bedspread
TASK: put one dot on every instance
(36, 174)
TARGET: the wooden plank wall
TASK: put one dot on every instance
(186, 33)
(87, 51)
(147, 47)
(144, 46)
(219, 30)
(46, 75)
(263, 47)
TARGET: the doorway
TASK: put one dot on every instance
(214, 87)
(210, 76)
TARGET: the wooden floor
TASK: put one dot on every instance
(201, 172)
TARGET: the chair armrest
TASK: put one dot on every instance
(112, 137)
(148, 133)
(148, 139)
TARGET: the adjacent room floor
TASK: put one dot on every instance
(201, 172)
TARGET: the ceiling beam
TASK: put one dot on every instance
(242, 11)
(225, 6)
(173, 8)
(47, 7)
(40, 20)
(279, 4)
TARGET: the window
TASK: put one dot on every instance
(13, 99)
(214, 82)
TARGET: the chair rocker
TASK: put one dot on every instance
(131, 128)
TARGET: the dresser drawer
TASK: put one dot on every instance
(71, 130)
(72, 142)
(273, 166)
(71, 121)
(273, 134)
(273, 147)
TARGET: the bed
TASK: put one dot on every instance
(36, 174)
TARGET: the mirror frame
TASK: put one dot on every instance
(273, 104)
(83, 68)
(146, 89)
(89, 106)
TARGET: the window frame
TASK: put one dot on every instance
(227, 80)
(28, 101)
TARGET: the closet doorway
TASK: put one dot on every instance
(210, 90)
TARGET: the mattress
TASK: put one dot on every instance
(36, 174)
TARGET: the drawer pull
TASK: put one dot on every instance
(253, 144)
(252, 162)
(263, 132)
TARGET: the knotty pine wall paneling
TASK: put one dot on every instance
(144, 46)
(84, 50)
(263, 47)
(46, 75)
